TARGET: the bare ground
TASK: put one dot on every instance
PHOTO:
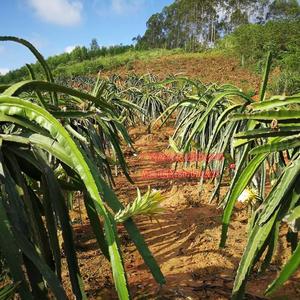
(184, 240)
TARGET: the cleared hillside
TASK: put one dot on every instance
(208, 67)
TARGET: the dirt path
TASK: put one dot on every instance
(184, 241)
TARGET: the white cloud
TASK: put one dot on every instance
(4, 71)
(69, 49)
(2, 49)
(125, 6)
(59, 12)
(119, 7)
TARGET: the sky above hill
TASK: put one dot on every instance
(56, 26)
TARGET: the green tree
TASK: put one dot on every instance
(79, 54)
(284, 9)
(94, 46)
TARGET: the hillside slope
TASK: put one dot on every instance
(208, 67)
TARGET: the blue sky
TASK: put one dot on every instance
(55, 26)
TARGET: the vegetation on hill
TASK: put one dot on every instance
(246, 29)
(80, 54)
(251, 42)
(193, 24)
